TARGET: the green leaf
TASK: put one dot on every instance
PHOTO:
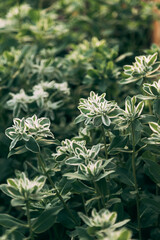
(146, 118)
(139, 108)
(153, 170)
(75, 176)
(66, 220)
(82, 233)
(95, 150)
(156, 107)
(129, 80)
(97, 121)
(74, 161)
(10, 191)
(46, 142)
(154, 127)
(106, 121)
(118, 142)
(80, 118)
(152, 59)
(112, 202)
(127, 67)
(154, 90)
(16, 110)
(138, 59)
(104, 175)
(120, 224)
(143, 97)
(125, 235)
(151, 203)
(13, 143)
(123, 56)
(92, 230)
(80, 187)
(9, 222)
(155, 68)
(16, 202)
(32, 145)
(61, 157)
(124, 177)
(85, 219)
(18, 150)
(46, 220)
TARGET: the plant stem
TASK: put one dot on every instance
(56, 190)
(29, 220)
(97, 192)
(157, 193)
(135, 183)
(100, 193)
(150, 108)
(84, 206)
(104, 139)
(106, 153)
(109, 135)
(157, 190)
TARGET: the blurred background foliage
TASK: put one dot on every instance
(81, 45)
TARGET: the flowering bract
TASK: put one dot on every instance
(103, 224)
(22, 189)
(67, 149)
(17, 132)
(93, 171)
(152, 91)
(75, 152)
(38, 126)
(144, 66)
(96, 110)
(130, 114)
(19, 101)
(29, 130)
(39, 95)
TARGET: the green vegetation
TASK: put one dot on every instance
(80, 121)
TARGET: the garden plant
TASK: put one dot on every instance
(79, 121)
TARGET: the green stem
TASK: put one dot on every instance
(105, 144)
(100, 193)
(106, 153)
(97, 193)
(84, 206)
(157, 190)
(56, 190)
(157, 193)
(150, 107)
(56, 235)
(135, 184)
(29, 220)
(109, 135)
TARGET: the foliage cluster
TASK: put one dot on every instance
(79, 137)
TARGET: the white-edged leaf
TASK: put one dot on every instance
(154, 127)
(106, 121)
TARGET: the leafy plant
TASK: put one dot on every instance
(144, 67)
(102, 225)
(97, 110)
(86, 172)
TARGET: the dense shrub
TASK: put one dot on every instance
(80, 133)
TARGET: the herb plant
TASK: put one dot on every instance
(79, 136)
